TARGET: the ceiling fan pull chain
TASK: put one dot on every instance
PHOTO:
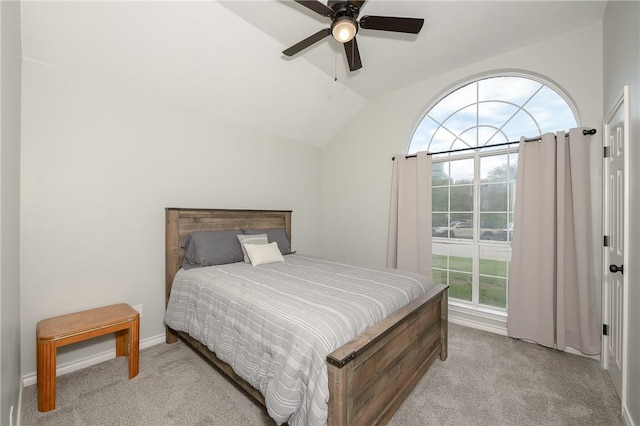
(335, 66)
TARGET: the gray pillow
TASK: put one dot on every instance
(274, 234)
(251, 239)
(206, 248)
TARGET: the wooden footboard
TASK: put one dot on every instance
(371, 375)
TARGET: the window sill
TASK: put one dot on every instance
(482, 318)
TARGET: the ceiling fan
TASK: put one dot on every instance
(344, 26)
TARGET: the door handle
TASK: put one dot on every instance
(615, 268)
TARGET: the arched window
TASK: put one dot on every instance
(492, 110)
(473, 188)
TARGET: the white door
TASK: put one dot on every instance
(614, 250)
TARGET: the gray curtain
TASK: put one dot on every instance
(552, 286)
(409, 243)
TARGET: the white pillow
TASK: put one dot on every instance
(251, 239)
(261, 254)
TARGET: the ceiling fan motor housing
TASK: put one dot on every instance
(343, 8)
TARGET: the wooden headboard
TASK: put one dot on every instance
(180, 222)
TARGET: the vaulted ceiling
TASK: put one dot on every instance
(224, 58)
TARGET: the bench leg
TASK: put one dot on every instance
(134, 348)
(122, 342)
(128, 344)
(46, 354)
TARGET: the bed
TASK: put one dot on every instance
(369, 375)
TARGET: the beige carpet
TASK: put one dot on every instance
(487, 380)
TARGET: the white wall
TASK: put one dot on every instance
(10, 82)
(621, 34)
(356, 165)
(99, 165)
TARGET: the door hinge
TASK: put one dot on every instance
(606, 152)
(605, 330)
(606, 241)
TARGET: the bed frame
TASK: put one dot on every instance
(369, 376)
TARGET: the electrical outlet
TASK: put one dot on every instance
(138, 308)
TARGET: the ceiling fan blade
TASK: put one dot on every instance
(316, 6)
(353, 54)
(307, 42)
(389, 23)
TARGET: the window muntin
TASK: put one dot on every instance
(492, 110)
(472, 226)
(453, 264)
(493, 275)
(473, 192)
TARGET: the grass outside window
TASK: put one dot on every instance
(457, 272)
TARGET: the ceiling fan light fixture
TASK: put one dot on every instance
(344, 29)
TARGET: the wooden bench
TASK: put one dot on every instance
(52, 333)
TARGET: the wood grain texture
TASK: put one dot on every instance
(134, 347)
(384, 363)
(65, 326)
(46, 359)
(369, 376)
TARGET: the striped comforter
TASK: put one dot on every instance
(276, 323)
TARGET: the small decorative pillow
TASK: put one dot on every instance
(251, 239)
(261, 254)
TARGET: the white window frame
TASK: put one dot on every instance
(473, 313)
(476, 242)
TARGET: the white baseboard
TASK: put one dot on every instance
(570, 350)
(19, 408)
(626, 417)
(69, 367)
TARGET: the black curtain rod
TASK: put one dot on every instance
(536, 139)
